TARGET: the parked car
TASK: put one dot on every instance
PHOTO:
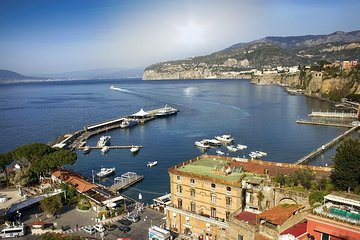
(99, 228)
(124, 229)
(89, 229)
(110, 227)
(125, 222)
(133, 218)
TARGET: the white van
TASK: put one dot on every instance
(16, 231)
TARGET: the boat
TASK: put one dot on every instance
(219, 152)
(202, 144)
(105, 172)
(86, 149)
(134, 149)
(151, 164)
(105, 149)
(212, 142)
(255, 154)
(127, 122)
(115, 88)
(241, 147)
(232, 148)
(226, 138)
(165, 111)
(261, 153)
(103, 141)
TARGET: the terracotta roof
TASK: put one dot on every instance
(279, 214)
(248, 217)
(57, 173)
(80, 184)
(259, 236)
(296, 230)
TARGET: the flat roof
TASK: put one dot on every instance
(210, 166)
(343, 197)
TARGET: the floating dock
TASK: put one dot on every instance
(125, 181)
(301, 121)
(333, 115)
(326, 146)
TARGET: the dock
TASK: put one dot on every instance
(326, 146)
(125, 181)
(309, 122)
(333, 115)
(111, 147)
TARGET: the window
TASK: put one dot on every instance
(227, 216)
(228, 201)
(192, 181)
(192, 192)
(193, 208)
(213, 212)
(178, 178)
(228, 189)
(325, 236)
(251, 198)
(179, 189)
(179, 203)
(213, 198)
(240, 237)
(213, 185)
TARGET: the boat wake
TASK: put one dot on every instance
(120, 89)
(245, 113)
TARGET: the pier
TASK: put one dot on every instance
(125, 181)
(309, 122)
(333, 115)
(326, 146)
(112, 147)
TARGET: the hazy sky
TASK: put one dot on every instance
(47, 36)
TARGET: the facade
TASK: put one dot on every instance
(337, 218)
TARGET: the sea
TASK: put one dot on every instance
(261, 117)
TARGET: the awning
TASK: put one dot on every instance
(141, 113)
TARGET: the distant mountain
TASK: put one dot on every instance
(262, 53)
(101, 73)
(6, 75)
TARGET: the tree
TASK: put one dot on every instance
(5, 159)
(303, 177)
(32, 152)
(51, 204)
(346, 172)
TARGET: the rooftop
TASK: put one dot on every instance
(296, 230)
(279, 214)
(248, 217)
(344, 197)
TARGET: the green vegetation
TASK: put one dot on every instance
(59, 236)
(346, 173)
(51, 204)
(5, 159)
(83, 204)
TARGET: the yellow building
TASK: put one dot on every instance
(204, 192)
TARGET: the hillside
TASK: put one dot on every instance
(6, 75)
(267, 52)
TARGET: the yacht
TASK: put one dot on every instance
(103, 141)
(134, 149)
(212, 142)
(232, 148)
(241, 147)
(166, 111)
(104, 172)
(105, 149)
(86, 149)
(226, 138)
(151, 164)
(202, 144)
(219, 152)
(261, 153)
(127, 122)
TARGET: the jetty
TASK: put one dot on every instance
(125, 181)
(111, 147)
(309, 122)
(333, 115)
(326, 146)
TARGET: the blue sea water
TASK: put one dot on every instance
(261, 117)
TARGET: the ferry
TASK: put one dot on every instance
(127, 122)
(226, 138)
(165, 111)
(151, 164)
(103, 141)
(104, 172)
(86, 149)
(105, 149)
(134, 149)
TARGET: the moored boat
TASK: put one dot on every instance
(105, 172)
(151, 164)
(86, 149)
(134, 149)
(127, 122)
(232, 148)
(219, 152)
(202, 144)
(105, 149)
(261, 153)
(103, 141)
(166, 111)
(212, 142)
(226, 138)
(241, 147)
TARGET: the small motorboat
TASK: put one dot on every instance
(86, 150)
(103, 141)
(212, 142)
(219, 152)
(127, 122)
(226, 138)
(105, 172)
(105, 149)
(232, 148)
(241, 147)
(134, 149)
(262, 154)
(202, 144)
(151, 164)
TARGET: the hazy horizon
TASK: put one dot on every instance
(39, 36)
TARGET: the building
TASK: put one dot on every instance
(347, 65)
(337, 218)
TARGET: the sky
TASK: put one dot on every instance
(42, 36)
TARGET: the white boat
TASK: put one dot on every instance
(219, 152)
(86, 149)
(202, 144)
(226, 138)
(151, 164)
(255, 154)
(127, 122)
(105, 172)
(115, 88)
(261, 153)
(212, 142)
(103, 141)
(232, 148)
(166, 111)
(105, 149)
(134, 149)
(241, 147)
